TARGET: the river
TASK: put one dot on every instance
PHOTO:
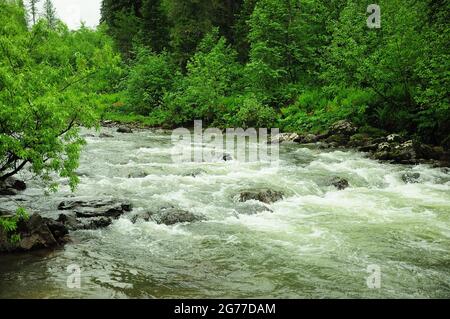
(318, 242)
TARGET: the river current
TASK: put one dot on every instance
(318, 242)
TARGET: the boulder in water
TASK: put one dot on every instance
(195, 172)
(91, 214)
(171, 216)
(267, 196)
(249, 208)
(227, 157)
(96, 208)
(105, 135)
(306, 139)
(340, 183)
(11, 186)
(145, 216)
(72, 223)
(137, 174)
(35, 233)
(124, 129)
(337, 140)
(411, 178)
(394, 138)
(284, 138)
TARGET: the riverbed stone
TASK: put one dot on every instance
(337, 140)
(171, 216)
(285, 138)
(124, 129)
(340, 183)
(105, 135)
(91, 214)
(411, 178)
(343, 127)
(12, 186)
(195, 172)
(267, 196)
(395, 138)
(96, 208)
(35, 233)
(73, 223)
(142, 216)
(227, 157)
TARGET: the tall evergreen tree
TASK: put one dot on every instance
(189, 20)
(124, 19)
(34, 10)
(155, 31)
(49, 14)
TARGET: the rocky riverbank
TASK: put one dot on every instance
(392, 148)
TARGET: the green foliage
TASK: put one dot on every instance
(405, 63)
(212, 74)
(285, 38)
(150, 77)
(246, 111)
(315, 111)
(9, 224)
(49, 85)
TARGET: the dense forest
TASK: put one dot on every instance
(297, 65)
(361, 181)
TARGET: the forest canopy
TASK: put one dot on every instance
(296, 65)
(299, 65)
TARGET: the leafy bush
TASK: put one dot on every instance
(212, 74)
(150, 77)
(315, 110)
(246, 111)
(9, 224)
(49, 86)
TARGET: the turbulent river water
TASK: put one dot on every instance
(317, 242)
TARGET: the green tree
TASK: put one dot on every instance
(34, 10)
(49, 86)
(189, 20)
(124, 20)
(285, 43)
(155, 29)
(386, 60)
(150, 77)
(49, 14)
(212, 74)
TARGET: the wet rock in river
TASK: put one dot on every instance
(137, 174)
(124, 129)
(284, 138)
(337, 140)
(96, 208)
(35, 233)
(249, 208)
(409, 152)
(171, 216)
(195, 172)
(267, 196)
(340, 183)
(91, 214)
(73, 223)
(395, 138)
(143, 216)
(11, 186)
(410, 178)
(227, 157)
(105, 135)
